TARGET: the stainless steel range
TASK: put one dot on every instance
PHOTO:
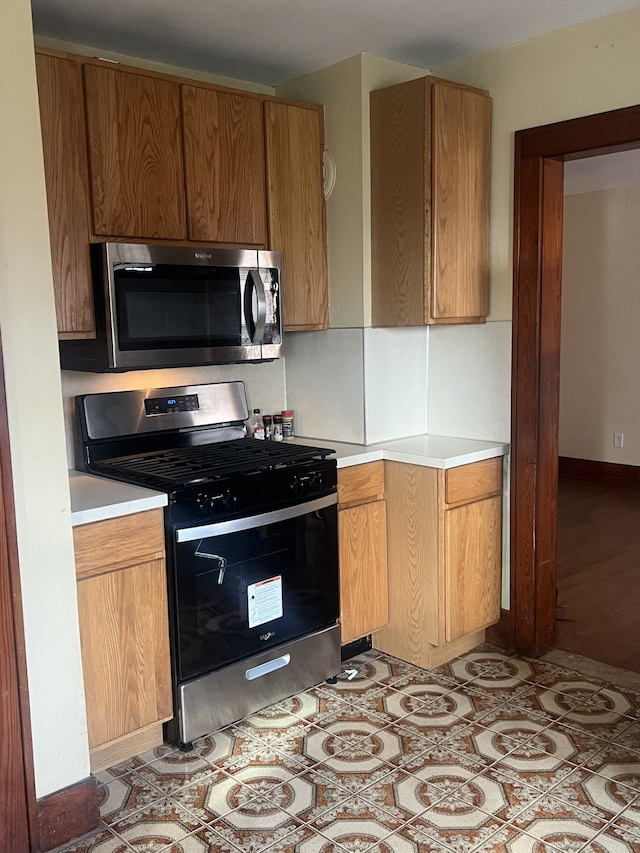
(251, 539)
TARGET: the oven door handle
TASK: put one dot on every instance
(221, 528)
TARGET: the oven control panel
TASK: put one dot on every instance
(171, 405)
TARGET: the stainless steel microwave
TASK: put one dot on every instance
(175, 306)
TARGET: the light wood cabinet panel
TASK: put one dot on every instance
(361, 483)
(430, 161)
(364, 598)
(411, 492)
(296, 213)
(125, 650)
(469, 482)
(118, 542)
(473, 539)
(224, 166)
(124, 634)
(444, 559)
(135, 154)
(62, 123)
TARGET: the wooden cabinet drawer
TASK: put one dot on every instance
(118, 542)
(361, 483)
(470, 482)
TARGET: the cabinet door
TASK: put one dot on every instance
(135, 154)
(472, 566)
(296, 212)
(65, 168)
(125, 650)
(364, 591)
(224, 166)
(461, 135)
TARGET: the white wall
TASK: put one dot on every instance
(36, 429)
(600, 353)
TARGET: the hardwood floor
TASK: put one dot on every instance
(598, 572)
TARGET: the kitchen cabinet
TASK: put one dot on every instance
(134, 136)
(62, 124)
(444, 559)
(362, 532)
(296, 211)
(430, 160)
(224, 166)
(122, 610)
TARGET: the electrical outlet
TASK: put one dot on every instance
(618, 439)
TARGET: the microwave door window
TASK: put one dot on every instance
(169, 309)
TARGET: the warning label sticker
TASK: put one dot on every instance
(264, 601)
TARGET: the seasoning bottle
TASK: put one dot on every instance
(257, 427)
(267, 420)
(277, 427)
(287, 423)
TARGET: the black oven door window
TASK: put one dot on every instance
(161, 307)
(243, 592)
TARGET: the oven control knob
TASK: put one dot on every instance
(294, 485)
(315, 482)
(230, 500)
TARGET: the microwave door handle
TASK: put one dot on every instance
(256, 328)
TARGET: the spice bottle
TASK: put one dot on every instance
(287, 423)
(277, 427)
(267, 420)
(257, 427)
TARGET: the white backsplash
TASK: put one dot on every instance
(325, 383)
(469, 381)
(395, 383)
(264, 384)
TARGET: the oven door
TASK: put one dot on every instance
(252, 583)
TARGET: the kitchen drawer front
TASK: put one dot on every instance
(360, 483)
(104, 546)
(472, 482)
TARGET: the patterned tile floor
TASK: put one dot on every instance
(489, 753)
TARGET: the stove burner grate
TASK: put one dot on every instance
(183, 466)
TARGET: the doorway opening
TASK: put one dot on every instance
(540, 153)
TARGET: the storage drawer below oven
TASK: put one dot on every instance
(222, 697)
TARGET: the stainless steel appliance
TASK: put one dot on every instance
(170, 306)
(251, 538)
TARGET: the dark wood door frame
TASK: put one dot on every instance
(540, 153)
(18, 807)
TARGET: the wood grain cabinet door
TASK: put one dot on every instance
(135, 154)
(224, 166)
(364, 592)
(296, 212)
(473, 566)
(62, 125)
(125, 650)
(461, 151)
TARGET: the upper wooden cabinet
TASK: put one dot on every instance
(135, 154)
(62, 123)
(224, 166)
(430, 160)
(296, 211)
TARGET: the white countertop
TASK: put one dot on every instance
(432, 451)
(96, 498)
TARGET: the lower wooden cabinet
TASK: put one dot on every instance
(122, 609)
(362, 520)
(444, 559)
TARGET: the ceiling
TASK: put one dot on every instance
(271, 41)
